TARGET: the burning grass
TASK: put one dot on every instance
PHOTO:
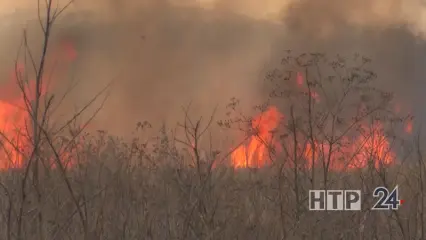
(133, 198)
(143, 190)
(100, 187)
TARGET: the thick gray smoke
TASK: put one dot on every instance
(164, 55)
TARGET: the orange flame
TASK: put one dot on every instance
(397, 108)
(13, 137)
(13, 123)
(369, 148)
(372, 148)
(300, 82)
(14, 129)
(409, 125)
(69, 50)
(253, 155)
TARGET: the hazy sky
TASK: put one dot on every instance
(210, 50)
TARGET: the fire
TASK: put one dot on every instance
(369, 148)
(13, 136)
(69, 50)
(15, 127)
(13, 124)
(374, 147)
(299, 79)
(397, 108)
(409, 125)
(300, 82)
(254, 154)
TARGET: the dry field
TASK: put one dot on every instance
(324, 124)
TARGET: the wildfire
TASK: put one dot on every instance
(14, 125)
(409, 126)
(254, 154)
(13, 137)
(300, 82)
(370, 147)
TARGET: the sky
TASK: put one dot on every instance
(169, 53)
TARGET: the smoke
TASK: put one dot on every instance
(164, 54)
(389, 32)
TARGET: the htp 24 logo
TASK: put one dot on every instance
(350, 200)
(387, 201)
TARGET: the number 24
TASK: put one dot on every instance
(387, 201)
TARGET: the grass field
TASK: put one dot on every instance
(116, 196)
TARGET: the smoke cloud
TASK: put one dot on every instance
(165, 54)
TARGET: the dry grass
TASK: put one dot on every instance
(116, 190)
(124, 197)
